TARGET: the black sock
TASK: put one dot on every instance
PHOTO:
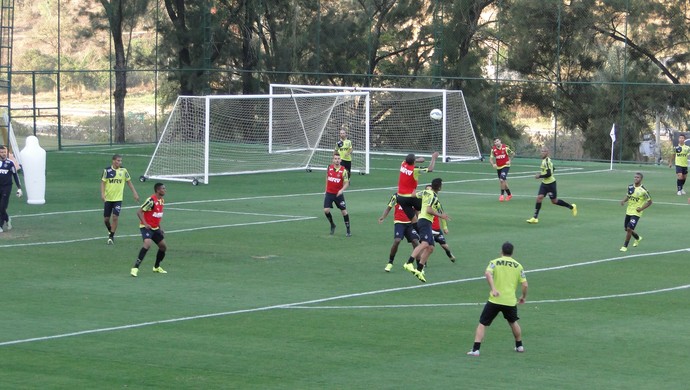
(142, 254)
(476, 346)
(679, 185)
(518, 344)
(159, 257)
(682, 183)
(537, 207)
(410, 260)
(111, 235)
(448, 253)
(626, 243)
(330, 218)
(107, 226)
(635, 236)
(564, 204)
(503, 192)
(508, 191)
(346, 218)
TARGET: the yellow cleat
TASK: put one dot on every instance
(624, 249)
(159, 270)
(420, 276)
(409, 267)
(134, 272)
(389, 267)
(533, 220)
(637, 242)
(574, 210)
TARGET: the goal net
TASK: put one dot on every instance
(226, 135)
(399, 121)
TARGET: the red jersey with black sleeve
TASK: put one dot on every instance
(153, 212)
(336, 178)
(501, 155)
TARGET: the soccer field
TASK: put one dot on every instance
(259, 295)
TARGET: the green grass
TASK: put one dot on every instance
(250, 302)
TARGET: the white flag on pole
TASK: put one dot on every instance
(613, 133)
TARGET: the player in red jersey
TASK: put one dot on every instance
(402, 228)
(150, 214)
(500, 159)
(337, 181)
(407, 184)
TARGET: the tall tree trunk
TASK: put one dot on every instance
(114, 10)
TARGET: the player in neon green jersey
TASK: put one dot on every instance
(504, 275)
(548, 187)
(638, 199)
(113, 183)
(680, 158)
(344, 149)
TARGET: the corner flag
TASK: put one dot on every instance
(613, 133)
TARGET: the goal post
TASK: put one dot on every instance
(239, 134)
(399, 121)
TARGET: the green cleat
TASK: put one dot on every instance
(533, 220)
(574, 210)
(389, 267)
(159, 270)
(624, 249)
(420, 276)
(637, 242)
(409, 267)
(134, 272)
(452, 258)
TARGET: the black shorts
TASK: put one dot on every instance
(156, 235)
(439, 237)
(405, 230)
(683, 170)
(112, 208)
(491, 310)
(425, 232)
(339, 201)
(410, 205)
(348, 166)
(503, 173)
(548, 189)
(631, 222)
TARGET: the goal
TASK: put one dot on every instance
(399, 121)
(238, 134)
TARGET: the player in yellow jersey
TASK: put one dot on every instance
(504, 275)
(680, 158)
(113, 183)
(548, 187)
(344, 149)
(638, 199)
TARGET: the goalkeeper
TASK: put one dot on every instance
(8, 171)
(344, 149)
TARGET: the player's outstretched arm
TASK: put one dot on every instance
(434, 156)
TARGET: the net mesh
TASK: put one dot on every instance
(400, 122)
(254, 133)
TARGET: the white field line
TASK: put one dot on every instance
(301, 305)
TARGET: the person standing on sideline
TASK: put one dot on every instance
(402, 227)
(112, 190)
(344, 149)
(638, 199)
(337, 181)
(431, 207)
(503, 274)
(680, 158)
(150, 215)
(500, 159)
(407, 184)
(548, 186)
(8, 172)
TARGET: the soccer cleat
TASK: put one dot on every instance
(389, 267)
(110, 241)
(420, 276)
(332, 229)
(473, 353)
(509, 197)
(1, 230)
(134, 272)
(409, 267)
(9, 223)
(624, 249)
(532, 220)
(679, 193)
(452, 258)
(682, 192)
(520, 349)
(348, 234)
(159, 270)
(500, 198)
(637, 242)
(574, 210)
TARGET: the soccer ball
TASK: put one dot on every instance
(436, 114)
